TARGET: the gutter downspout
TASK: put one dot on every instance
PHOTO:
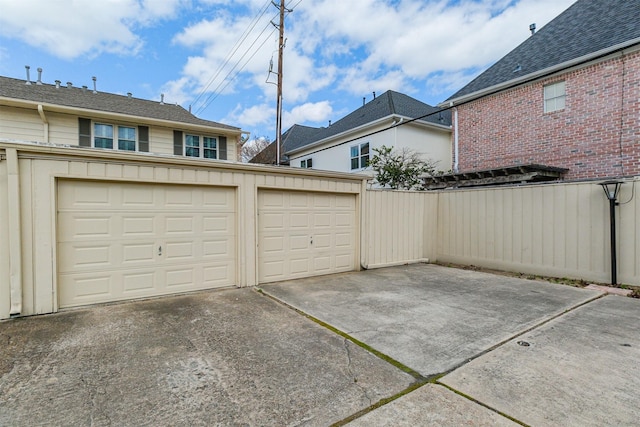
(456, 152)
(15, 246)
(45, 122)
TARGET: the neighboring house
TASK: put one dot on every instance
(293, 137)
(566, 98)
(64, 114)
(347, 145)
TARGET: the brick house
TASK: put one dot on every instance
(568, 98)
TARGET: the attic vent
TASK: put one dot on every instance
(518, 68)
(84, 88)
(129, 95)
(39, 82)
(69, 85)
(532, 28)
(58, 84)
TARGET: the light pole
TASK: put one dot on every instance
(611, 190)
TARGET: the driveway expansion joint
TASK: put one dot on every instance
(478, 402)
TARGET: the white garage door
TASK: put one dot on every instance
(119, 241)
(302, 234)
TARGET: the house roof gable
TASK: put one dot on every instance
(86, 99)
(388, 104)
(586, 27)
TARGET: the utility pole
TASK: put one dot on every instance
(279, 101)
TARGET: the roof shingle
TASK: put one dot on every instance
(83, 98)
(586, 27)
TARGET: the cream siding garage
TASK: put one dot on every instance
(119, 241)
(302, 234)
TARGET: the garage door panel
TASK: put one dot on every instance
(137, 196)
(138, 225)
(301, 233)
(87, 287)
(298, 220)
(180, 277)
(217, 248)
(136, 253)
(179, 225)
(85, 226)
(177, 197)
(343, 262)
(138, 281)
(217, 224)
(82, 197)
(180, 250)
(85, 256)
(128, 240)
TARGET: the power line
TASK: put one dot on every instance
(212, 97)
(231, 54)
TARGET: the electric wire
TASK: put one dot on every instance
(227, 80)
(234, 50)
(229, 77)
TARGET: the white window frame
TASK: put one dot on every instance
(361, 158)
(307, 163)
(115, 136)
(555, 96)
(202, 149)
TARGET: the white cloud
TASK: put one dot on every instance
(310, 112)
(256, 115)
(71, 29)
(417, 38)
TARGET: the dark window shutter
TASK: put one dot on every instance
(177, 142)
(84, 126)
(222, 148)
(143, 139)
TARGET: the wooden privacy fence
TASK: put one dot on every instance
(559, 230)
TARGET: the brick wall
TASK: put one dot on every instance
(596, 135)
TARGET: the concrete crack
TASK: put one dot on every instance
(351, 372)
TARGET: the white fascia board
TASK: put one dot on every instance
(338, 138)
(23, 103)
(601, 55)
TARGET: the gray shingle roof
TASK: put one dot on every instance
(294, 136)
(388, 104)
(101, 101)
(588, 26)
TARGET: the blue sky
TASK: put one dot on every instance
(214, 54)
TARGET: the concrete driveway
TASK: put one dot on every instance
(535, 352)
(410, 345)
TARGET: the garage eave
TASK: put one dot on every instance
(38, 150)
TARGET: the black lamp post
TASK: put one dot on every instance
(611, 190)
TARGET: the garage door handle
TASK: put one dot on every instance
(159, 250)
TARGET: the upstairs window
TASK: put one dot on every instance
(360, 156)
(554, 97)
(113, 136)
(307, 163)
(201, 146)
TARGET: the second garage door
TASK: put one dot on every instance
(120, 241)
(302, 234)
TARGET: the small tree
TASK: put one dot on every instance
(251, 148)
(400, 169)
